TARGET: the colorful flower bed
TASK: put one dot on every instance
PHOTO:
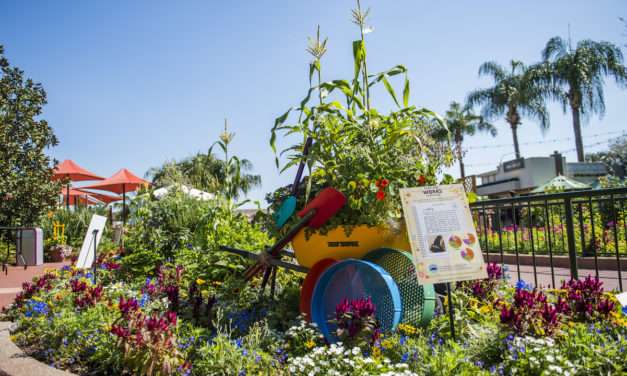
(178, 323)
(599, 232)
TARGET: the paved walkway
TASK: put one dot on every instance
(609, 277)
(11, 283)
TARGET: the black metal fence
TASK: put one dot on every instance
(580, 231)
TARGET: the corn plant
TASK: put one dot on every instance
(356, 147)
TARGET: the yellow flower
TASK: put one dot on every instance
(388, 343)
(376, 352)
(310, 344)
(407, 329)
(485, 309)
(200, 281)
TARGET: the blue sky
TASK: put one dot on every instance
(133, 84)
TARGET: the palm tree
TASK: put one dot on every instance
(578, 75)
(462, 121)
(230, 177)
(515, 94)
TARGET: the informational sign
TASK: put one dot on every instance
(86, 257)
(622, 299)
(444, 243)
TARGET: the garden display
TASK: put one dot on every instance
(182, 295)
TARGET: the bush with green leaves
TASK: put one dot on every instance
(76, 223)
(191, 231)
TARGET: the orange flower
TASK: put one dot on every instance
(380, 195)
(422, 180)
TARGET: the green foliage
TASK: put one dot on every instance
(577, 77)
(462, 121)
(26, 188)
(515, 94)
(246, 355)
(355, 147)
(76, 223)
(230, 177)
(190, 230)
(542, 231)
(615, 158)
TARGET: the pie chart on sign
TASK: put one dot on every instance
(454, 241)
(470, 239)
(468, 254)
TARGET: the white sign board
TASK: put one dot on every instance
(444, 243)
(622, 299)
(86, 257)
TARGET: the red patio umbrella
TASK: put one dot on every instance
(76, 196)
(121, 182)
(107, 199)
(68, 169)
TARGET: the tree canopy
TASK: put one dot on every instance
(577, 76)
(230, 176)
(615, 158)
(26, 188)
(462, 121)
(515, 94)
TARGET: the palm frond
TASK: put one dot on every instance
(556, 48)
(492, 69)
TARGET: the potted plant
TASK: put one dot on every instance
(366, 154)
(57, 249)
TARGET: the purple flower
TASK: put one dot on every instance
(128, 306)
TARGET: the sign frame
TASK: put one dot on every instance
(444, 242)
(86, 257)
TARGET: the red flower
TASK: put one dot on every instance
(384, 183)
(422, 180)
(380, 195)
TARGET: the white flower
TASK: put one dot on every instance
(356, 350)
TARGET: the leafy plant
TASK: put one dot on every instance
(26, 187)
(461, 121)
(577, 76)
(516, 93)
(356, 322)
(355, 147)
(229, 177)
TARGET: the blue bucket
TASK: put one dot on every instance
(355, 279)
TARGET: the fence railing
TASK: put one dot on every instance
(573, 230)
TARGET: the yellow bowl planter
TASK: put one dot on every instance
(335, 244)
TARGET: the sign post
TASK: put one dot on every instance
(444, 243)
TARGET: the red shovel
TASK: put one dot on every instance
(319, 210)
